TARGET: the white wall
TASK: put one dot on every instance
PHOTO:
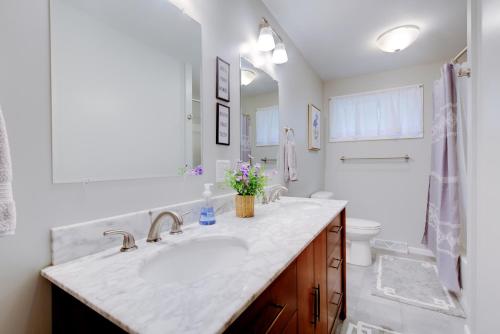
(391, 192)
(25, 98)
(249, 105)
(484, 230)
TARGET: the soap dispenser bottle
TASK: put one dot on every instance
(207, 214)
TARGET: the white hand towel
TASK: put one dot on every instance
(7, 205)
(290, 161)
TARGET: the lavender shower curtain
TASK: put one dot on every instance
(442, 228)
(245, 147)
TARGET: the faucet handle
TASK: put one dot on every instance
(128, 239)
(185, 214)
(265, 198)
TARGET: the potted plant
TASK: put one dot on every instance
(248, 181)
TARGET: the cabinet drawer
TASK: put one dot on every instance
(334, 239)
(273, 309)
(336, 263)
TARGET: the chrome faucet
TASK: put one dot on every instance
(128, 240)
(274, 194)
(155, 229)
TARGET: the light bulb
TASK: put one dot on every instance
(398, 38)
(279, 54)
(266, 39)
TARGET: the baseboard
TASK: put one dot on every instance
(420, 251)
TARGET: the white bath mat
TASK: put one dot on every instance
(414, 282)
(364, 328)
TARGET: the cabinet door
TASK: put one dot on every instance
(305, 290)
(273, 309)
(312, 287)
(320, 268)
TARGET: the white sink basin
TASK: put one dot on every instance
(304, 205)
(193, 259)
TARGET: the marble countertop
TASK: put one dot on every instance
(110, 282)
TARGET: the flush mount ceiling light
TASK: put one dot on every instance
(266, 38)
(397, 39)
(247, 76)
(279, 54)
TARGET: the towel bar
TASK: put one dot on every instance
(406, 157)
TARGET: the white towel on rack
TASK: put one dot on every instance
(7, 204)
(290, 159)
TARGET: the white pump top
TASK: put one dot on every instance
(208, 192)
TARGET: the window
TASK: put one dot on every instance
(267, 126)
(389, 114)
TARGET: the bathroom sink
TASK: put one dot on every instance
(194, 259)
(304, 205)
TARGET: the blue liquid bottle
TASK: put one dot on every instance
(207, 214)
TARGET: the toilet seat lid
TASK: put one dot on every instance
(362, 224)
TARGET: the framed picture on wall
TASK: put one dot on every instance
(223, 129)
(222, 86)
(314, 128)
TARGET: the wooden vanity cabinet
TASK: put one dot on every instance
(312, 288)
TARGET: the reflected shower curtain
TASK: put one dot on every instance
(442, 228)
(245, 147)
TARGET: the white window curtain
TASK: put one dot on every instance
(388, 114)
(267, 126)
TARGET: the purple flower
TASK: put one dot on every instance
(198, 170)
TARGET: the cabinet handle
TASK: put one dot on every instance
(316, 305)
(282, 309)
(336, 229)
(319, 304)
(338, 264)
(339, 300)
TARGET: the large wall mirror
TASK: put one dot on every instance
(125, 90)
(260, 128)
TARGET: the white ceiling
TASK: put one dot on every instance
(337, 37)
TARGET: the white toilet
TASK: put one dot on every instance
(359, 232)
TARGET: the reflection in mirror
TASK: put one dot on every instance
(125, 90)
(259, 116)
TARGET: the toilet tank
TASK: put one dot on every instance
(322, 195)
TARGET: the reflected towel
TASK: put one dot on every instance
(290, 161)
(7, 205)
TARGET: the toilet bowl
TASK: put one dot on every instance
(359, 233)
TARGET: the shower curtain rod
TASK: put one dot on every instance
(463, 72)
(459, 55)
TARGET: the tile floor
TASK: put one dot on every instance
(399, 317)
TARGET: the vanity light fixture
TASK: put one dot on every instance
(247, 76)
(279, 53)
(266, 42)
(266, 38)
(397, 39)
